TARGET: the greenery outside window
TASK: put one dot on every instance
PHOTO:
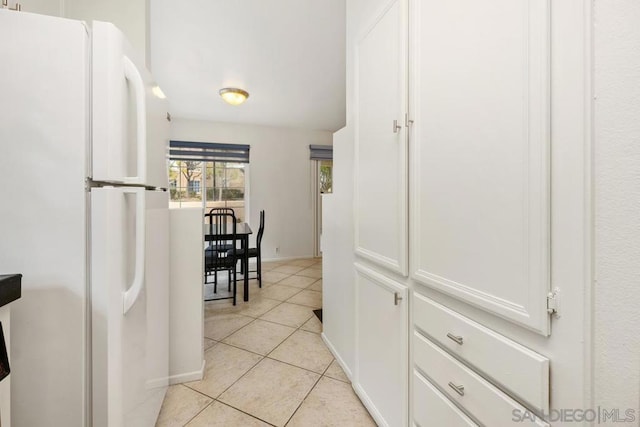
(208, 184)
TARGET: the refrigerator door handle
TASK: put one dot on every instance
(132, 74)
(130, 296)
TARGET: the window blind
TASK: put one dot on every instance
(321, 152)
(208, 152)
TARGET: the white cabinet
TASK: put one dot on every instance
(380, 211)
(524, 373)
(488, 404)
(472, 190)
(381, 141)
(480, 163)
(381, 370)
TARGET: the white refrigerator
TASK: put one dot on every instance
(84, 218)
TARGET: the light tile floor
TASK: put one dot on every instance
(266, 364)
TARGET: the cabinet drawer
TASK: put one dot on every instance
(482, 400)
(523, 372)
(432, 408)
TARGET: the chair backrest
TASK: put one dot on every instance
(223, 210)
(260, 230)
(222, 238)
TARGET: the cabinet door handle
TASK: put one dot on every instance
(396, 127)
(457, 388)
(455, 338)
(396, 298)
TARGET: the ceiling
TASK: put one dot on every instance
(288, 54)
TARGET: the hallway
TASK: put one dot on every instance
(266, 363)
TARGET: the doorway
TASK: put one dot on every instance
(322, 184)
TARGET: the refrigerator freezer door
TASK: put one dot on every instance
(44, 79)
(130, 350)
(130, 127)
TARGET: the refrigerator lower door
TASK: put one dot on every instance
(129, 119)
(129, 321)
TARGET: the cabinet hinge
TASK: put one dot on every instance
(553, 302)
(407, 121)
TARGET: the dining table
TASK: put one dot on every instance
(243, 230)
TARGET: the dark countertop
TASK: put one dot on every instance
(10, 288)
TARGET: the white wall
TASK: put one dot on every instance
(130, 16)
(280, 179)
(44, 7)
(337, 261)
(617, 203)
(186, 310)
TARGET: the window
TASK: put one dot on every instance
(193, 187)
(325, 176)
(201, 176)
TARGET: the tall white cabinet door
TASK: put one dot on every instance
(381, 141)
(480, 165)
(381, 368)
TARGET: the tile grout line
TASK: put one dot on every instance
(270, 351)
(202, 410)
(239, 378)
(308, 393)
(262, 357)
(310, 390)
(246, 413)
(298, 328)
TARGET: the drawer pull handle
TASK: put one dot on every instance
(457, 388)
(455, 338)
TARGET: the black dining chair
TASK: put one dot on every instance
(255, 253)
(221, 254)
(223, 210)
(208, 219)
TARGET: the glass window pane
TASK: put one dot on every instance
(226, 188)
(326, 176)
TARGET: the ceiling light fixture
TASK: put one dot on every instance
(233, 95)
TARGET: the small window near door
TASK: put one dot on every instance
(325, 176)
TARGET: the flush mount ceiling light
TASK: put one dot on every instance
(234, 96)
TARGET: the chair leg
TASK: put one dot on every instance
(215, 281)
(229, 279)
(259, 271)
(235, 286)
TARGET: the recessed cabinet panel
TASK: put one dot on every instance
(381, 142)
(480, 162)
(381, 369)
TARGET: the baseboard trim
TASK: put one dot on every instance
(339, 359)
(293, 258)
(373, 411)
(188, 376)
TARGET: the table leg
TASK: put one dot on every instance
(245, 261)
